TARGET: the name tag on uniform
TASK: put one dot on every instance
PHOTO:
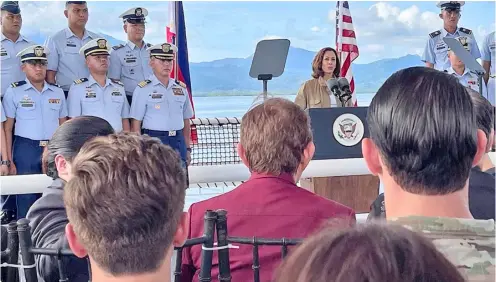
(440, 46)
(70, 43)
(90, 95)
(157, 96)
(130, 59)
(472, 82)
(27, 104)
(116, 93)
(54, 101)
(178, 91)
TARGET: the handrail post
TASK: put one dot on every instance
(11, 253)
(207, 254)
(256, 261)
(25, 243)
(224, 267)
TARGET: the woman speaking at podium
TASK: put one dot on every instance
(314, 93)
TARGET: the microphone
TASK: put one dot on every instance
(344, 85)
(334, 87)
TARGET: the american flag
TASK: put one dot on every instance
(346, 43)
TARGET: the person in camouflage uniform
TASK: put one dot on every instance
(423, 142)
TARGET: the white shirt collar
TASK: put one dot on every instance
(21, 38)
(444, 32)
(452, 71)
(69, 33)
(132, 45)
(29, 86)
(155, 81)
(92, 81)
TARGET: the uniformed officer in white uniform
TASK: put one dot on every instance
(488, 62)
(130, 63)
(163, 104)
(97, 95)
(37, 108)
(436, 50)
(65, 64)
(466, 77)
(12, 43)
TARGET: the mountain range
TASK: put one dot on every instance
(230, 76)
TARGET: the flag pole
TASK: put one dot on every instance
(174, 40)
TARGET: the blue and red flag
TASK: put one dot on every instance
(176, 34)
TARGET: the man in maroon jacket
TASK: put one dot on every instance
(276, 144)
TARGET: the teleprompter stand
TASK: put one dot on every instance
(269, 60)
(468, 60)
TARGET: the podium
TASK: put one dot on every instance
(338, 134)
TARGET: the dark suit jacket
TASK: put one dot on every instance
(264, 206)
(481, 193)
(48, 219)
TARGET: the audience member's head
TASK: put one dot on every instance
(484, 112)
(68, 140)
(423, 138)
(367, 253)
(276, 138)
(125, 204)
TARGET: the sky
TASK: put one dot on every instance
(219, 30)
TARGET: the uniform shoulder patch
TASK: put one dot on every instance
(465, 30)
(81, 80)
(18, 83)
(116, 81)
(180, 83)
(144, 83)
(435, 33)
(117, 47)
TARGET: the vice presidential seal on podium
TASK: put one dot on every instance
(338, 134)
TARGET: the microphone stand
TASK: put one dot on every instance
(339, 95)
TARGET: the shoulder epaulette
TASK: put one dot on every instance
(18, 83)
(180, 83)
(466, 30)
(53, 84)
(117, 47)
(435, 33)
(148, 45)
(117, 82)
(81, 80)
(144, 83)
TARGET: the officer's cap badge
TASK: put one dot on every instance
(38, 51)
(102, 43)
